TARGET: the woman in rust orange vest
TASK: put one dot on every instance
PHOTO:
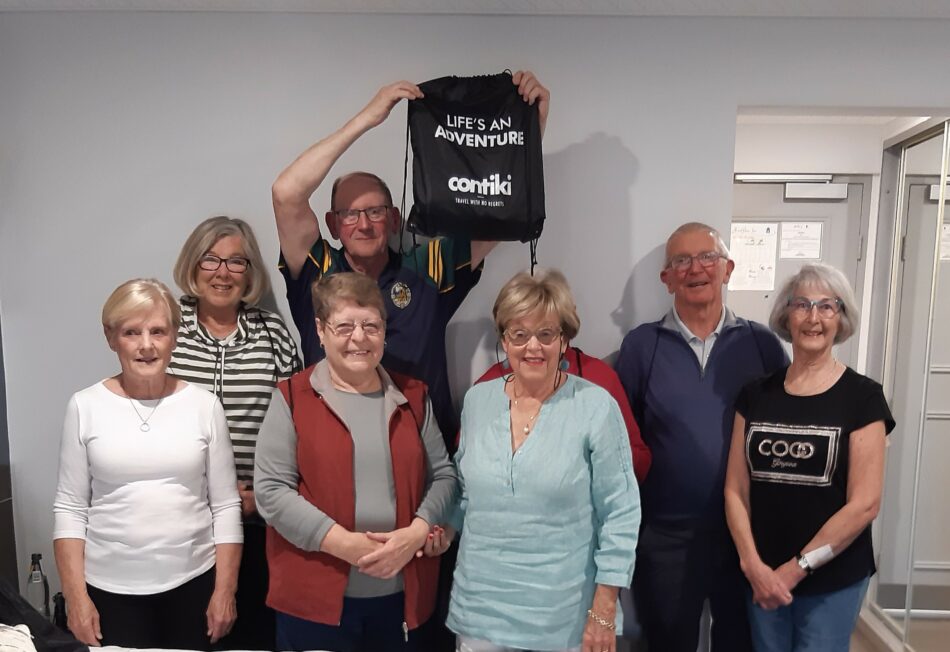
(352, 476)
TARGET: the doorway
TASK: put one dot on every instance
(888, 231)
(913, 584)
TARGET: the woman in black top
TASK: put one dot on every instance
(805, 474)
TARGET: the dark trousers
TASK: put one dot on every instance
(678, 567)
(254, 627)
(173, 619)
(366, 625)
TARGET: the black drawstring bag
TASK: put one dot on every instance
(476, 170)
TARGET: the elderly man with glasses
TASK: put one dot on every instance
(422, 288)
(682, 375)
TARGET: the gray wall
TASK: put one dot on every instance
(120, 131)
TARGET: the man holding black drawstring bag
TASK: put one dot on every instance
(423, 288)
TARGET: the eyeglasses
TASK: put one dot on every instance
(521, 336)
(683, 262)
(827, 308)
(350, 216)
(347, 328)
(236, 264)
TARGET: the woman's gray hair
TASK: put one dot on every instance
(822, 277)
(203, 238)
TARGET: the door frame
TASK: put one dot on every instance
(884, 316)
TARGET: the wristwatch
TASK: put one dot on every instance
(803, 563)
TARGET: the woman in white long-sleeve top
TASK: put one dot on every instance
(147, 514)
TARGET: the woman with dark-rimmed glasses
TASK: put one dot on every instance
(805, 474)
(231, 347)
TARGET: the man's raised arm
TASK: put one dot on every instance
(297, 225)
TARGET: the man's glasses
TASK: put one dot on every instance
(347, 328)
(827, 308)
(683, 262)
(521, 336)
(236, 265)
(350, 216)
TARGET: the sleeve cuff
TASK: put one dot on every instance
(607, 578)
(321, 533)
(427, 516)
(69, 534)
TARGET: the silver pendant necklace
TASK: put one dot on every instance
(527, 426)
(144, 427)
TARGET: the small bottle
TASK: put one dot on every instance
(37, 587)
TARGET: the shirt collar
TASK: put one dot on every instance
(189, 318)
(672, 321)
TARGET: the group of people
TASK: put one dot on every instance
(214, 494)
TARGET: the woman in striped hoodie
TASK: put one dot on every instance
(238, 351)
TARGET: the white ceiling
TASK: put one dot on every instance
(928, 9)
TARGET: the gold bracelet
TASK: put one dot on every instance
(600, 620)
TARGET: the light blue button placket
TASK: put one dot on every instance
(513, 458)
(503, 428)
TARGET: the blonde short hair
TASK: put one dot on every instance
(203, 238)
(331, 290)
(137, 296)
(822, 277)
(545, 292)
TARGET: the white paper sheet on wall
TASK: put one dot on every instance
(753, 246)
(945, 242)
(800, 240)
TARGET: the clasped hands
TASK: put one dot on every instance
(385, 554)
(772, 589)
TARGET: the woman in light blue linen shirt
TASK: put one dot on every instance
(550, 506)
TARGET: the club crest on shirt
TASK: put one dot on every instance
(400, 294)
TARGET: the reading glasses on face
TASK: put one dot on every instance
(350, 216)
(827, 308)
(683, 262)
(211, 263)
(521, 336)
(347, 328)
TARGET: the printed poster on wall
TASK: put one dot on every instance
(945, 242)
(753, 246)
(801, 240)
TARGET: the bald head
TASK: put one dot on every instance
(361, 176)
